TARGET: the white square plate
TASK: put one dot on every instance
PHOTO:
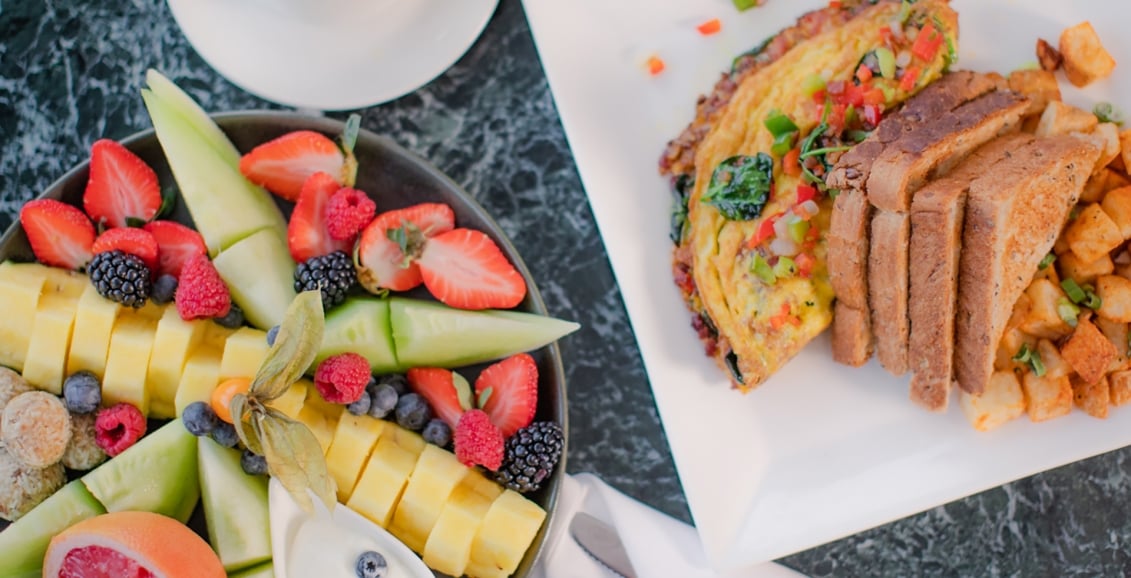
(821, 451)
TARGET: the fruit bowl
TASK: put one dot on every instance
(394, 178)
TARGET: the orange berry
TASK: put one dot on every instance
(223, 394)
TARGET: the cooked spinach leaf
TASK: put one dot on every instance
(681, 190)
(740, 186)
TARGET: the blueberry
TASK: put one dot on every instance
(361, 406)
(271, 335)
(199, 419)
(438, 433)
(163, 290)
(225, 434)
(233, 320)
(413, 412)
(371, 565)
(384, 400)
(396, 380)
(253, 464)
(82, 392)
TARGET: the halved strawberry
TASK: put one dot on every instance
(511, 389)
(137, 242)
(438, 387)
(464, 268)
(283, 165)
(122, 189)
(382, 263)
(176, 243)
(306, 233)
(60, 234)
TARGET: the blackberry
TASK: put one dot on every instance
(332, 274)
(120, 277)
(164, 289)
(530, 456)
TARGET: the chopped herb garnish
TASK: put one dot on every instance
(681, 189)
(1106, 112)
(1032, 358)
(740, 186)
(746, 4)
(1067, 311)
(784, 131)
(785, 267)
(762, 270)
(1085, 295)
(1048, 260)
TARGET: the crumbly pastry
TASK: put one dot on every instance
(83, 452)
(23, 488)
(11, 385)
(36, 428)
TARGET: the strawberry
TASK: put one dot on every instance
(348, 212)
(283, 165)
(306, 233)
(438, 387)
(176, 243)
(59, 234)
(382, 262)
(464, 268)
(137, 242)
(122, 189)
(511, 390)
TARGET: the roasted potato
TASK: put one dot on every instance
(1115, 296)
(1002, 401)
(1092, 234)
(1055, 365)
(1049, 57)
(1115, 332)
(1010, 344)
(1085, 58)
(1042, 319)
(1120, 383)
(1108, 134)
(1088, 351)
(1061, 118)
(1038, 85)
(1093, 398)
(1048, 397)
(1125, 148)
(1117, 204)
(1072, 267)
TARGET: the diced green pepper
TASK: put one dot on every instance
(785, 267)
(813, 84)
(778, 124)
(763, 270)
(886, 59)
(797, 230)
(745, 4)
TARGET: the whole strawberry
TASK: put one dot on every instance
(478, 442)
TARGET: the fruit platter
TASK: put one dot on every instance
(235, 311)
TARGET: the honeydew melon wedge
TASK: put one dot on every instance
(360, 325)
(23, 544)
(265, 570)
(225, 206)
(185, 106)
(235, 507)
(261, 276)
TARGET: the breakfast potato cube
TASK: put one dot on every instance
(1092, 234)
(1010, 344)
(1115, 178)
(1125, 148)
(1107, 134)
(1115, 332)
(1061, 247)
(1043, 319)
(1088, 351)
(1055, 364)
(1117, 204)
(1049, 273)
(1002, 401)
(1039, 85)
(1048, 397)
(1115, 296)
(1061, 118)
(1093, 191)
(1085, 58)
(1120, 383)
(1072, 267)
(1093, 398)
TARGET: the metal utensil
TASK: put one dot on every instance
(602, 543)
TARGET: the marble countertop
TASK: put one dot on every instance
(70, 72)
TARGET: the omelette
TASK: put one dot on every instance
(754, 210)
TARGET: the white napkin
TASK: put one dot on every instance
(658, 545)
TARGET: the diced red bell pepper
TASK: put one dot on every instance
(863, 73)
(853, 95)
(804, 262)
(872, 114)
(655, 65)
(886, 35)
(710, 27)
(874, 96)
(806, 193)
(790, 163)
(836, 118)
(765, 231)
(819, 97)
(910, 77)
(927, 43)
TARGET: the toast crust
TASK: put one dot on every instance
(852, 335)
(887, 288)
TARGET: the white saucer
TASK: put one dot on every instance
(331, 54)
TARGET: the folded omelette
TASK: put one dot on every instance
(757, 208)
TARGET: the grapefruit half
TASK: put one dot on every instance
(130, 545)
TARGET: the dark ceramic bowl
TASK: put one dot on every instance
(394, 178)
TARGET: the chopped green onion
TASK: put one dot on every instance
(783, 143)
(797, 230)
(1092, 301)
(785, 267)
(778, 123)
(1022, 354)
(813, 84)
(1075, 293)
(742, 5)
(886, 59)
(1106, 112)
(1030, 65)
(1048, 260)
(1031, 357)
(1067, 311)
(763, 271)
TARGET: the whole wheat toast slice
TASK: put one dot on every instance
(887, 288)
(1013, 216)
(851, 335)
(937, 212)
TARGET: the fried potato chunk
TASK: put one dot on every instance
(1085, 58)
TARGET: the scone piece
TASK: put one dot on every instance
(36, 428)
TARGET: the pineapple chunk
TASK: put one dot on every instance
(47, 351)
(448, 548)
(408, 439)
(507, 531)
(290, 403)
(61, 281)
(353, 441)
(94, 323)
(172, 342)
(381, 484)
(128, 361)
(436, 475)
(20, 289)
(201, 376)
(244, 352)
(320, 424)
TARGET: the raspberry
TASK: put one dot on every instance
(342, 378)
(478, 441)
(201, 292)
(348, 212)
(118, 427)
